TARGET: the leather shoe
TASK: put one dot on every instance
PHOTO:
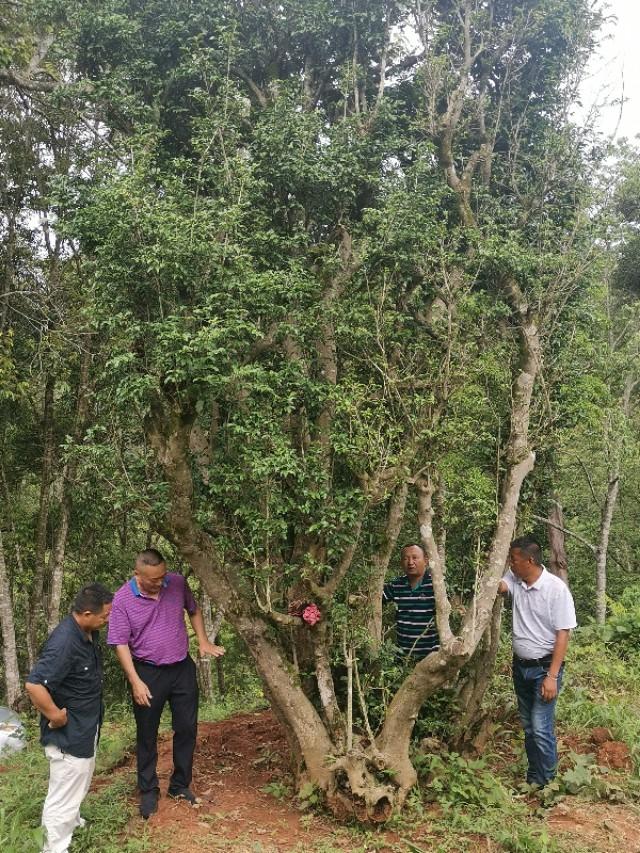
(149, 803)
(185, 794)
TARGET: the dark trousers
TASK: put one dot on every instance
(177, 684)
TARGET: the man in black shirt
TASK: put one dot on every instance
(65, 685)
(412, 593)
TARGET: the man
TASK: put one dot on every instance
(65, 685)
(148, 630)
(412, 593)
(543, 617)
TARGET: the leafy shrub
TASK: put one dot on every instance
(622, 630)
(454, 781)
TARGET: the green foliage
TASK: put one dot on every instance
(456, 782)
(621, 633)
(14, 836)
(279, 790)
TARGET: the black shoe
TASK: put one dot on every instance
(185, 794)
(149, 802)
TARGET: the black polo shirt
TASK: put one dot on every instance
(70, 667)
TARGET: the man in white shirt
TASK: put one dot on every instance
(543, 617)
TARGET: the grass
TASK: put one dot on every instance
(602, 690)
(23, 786)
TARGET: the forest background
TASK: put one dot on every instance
(284, 286)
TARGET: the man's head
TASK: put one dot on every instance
(525, 557)
(149, 571)
(92, 606)
(414, 561)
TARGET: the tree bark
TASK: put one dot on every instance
(7, 625)
(381, 558)
(606, 517)
(211, 627)
(472, 691)
(558, 564)
(36, 612)
(56, 561)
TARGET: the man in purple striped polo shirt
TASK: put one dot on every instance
(148, 630)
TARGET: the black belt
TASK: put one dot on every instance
(545, 661)
(158, 665)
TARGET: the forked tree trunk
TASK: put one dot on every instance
(369, 780)
(474, 687)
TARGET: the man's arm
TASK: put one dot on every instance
(43, 701)
(549, 688)
(141, 693)
(205, 647)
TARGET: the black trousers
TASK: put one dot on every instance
(177, 684)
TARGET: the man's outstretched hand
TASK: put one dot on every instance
(207, 648)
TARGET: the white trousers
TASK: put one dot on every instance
(69, 780)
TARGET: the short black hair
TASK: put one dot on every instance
(528, 546)
(150, 557)
(413, 545)
(93, 598)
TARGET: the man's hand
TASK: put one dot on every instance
(141, 693)
(58, 719)
(549, 689)
(207, 648)
(503, 589)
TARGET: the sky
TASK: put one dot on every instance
(617, 69)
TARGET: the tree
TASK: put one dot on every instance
(321, 278)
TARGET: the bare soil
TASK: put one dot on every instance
(241, 774)
(604, 828)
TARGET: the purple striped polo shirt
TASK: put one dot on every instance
(153, 628)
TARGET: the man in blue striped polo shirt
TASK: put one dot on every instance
(412, 593)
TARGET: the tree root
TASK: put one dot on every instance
(359, 793)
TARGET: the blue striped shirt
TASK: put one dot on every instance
(416, 630)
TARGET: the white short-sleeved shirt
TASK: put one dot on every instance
(539, 612)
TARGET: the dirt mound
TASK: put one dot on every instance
(616, 755)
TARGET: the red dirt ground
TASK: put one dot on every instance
(237, 758)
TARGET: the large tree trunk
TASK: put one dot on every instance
(7, 626)
(368, 780)
(473, 689)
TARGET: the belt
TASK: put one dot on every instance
(158, 665)
(527, 663)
